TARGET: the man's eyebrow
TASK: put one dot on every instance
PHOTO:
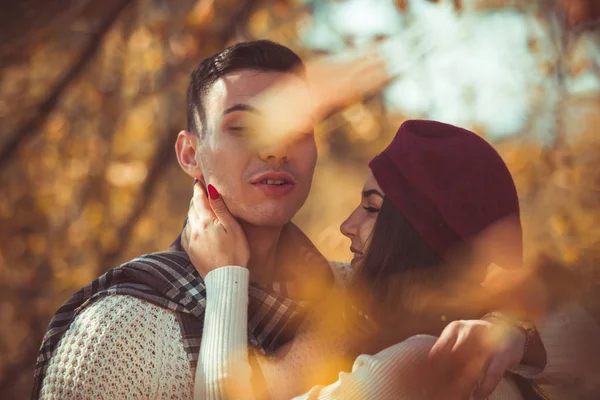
(240, 107)
(367, 193)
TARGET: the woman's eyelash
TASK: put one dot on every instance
(371, 210)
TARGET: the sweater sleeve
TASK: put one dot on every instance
(400, 372)
(120, 347)
(571, 338)
(223, 368)
(394, 373)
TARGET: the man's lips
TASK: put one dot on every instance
(274, 184)
(273, 178)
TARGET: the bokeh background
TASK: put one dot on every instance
(92, 98)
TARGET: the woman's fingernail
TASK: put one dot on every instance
(212, 192)
(196, 180)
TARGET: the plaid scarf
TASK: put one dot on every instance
(169, 280)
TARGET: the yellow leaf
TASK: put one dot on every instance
(37, 244)
(202, 13)
(258, 22)
(560, 225)
(126, 174)
(108, 240)
(93, 215)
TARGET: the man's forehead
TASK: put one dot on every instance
(242, 87)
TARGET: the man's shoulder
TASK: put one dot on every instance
(117, 333)
(179, 257)
(342, 272)
(168, 265)
(117, 319)
(117, 309)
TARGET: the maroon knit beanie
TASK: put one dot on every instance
(450, 185)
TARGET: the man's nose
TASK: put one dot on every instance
(274, 154)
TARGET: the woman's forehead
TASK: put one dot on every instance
(371, 184)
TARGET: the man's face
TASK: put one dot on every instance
(264, 186)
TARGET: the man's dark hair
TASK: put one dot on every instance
(260, 55)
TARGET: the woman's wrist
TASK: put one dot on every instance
(534, 353)
(227, 270)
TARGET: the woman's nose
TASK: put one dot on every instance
(348, 227)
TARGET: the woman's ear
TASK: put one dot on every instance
(185, 148)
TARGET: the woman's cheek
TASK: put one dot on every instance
(367, 227)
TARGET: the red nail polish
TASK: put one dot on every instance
(212, 192)
(196, 180)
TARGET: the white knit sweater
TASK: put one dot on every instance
(122, 347)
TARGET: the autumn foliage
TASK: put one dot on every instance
(92, 98)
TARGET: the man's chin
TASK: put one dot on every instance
(269, 218)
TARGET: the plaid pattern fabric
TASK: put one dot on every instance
(169, 280)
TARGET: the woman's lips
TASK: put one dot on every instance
(357, 255)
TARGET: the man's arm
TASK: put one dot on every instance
(119, 347)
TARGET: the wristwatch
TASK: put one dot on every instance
(528, 328)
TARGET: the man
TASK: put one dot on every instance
(137, 341)
(136, 331)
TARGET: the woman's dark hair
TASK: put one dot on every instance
(396, 251)
(398, 268)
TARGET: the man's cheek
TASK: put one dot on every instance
(309, 161)
(211, 166)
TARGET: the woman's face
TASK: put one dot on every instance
(359, 225)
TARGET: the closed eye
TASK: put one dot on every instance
(240, 130)
(371, 210)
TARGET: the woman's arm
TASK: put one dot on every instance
(400, 372)
(397, 372)
(218, 249)
(223, 369)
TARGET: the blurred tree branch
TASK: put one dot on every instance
(159, 165)
(14, 371)
(581, 14)
(31, 127)
(108, 115)
(164, 153)
(23, 23)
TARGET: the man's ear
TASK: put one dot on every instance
(185, 148)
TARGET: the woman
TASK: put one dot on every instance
(421, 237)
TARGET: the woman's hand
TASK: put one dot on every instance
(476, 354)
(212, 236)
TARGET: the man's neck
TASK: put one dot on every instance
(263, 243)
